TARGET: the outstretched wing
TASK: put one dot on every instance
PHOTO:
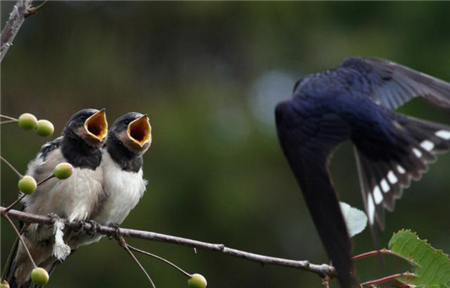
(393, 84)
(383, 180)
(307, 140)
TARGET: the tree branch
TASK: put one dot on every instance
(16, 19)
(321, 270)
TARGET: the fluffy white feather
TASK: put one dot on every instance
(123, 190)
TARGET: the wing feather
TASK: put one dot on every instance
(394, 84)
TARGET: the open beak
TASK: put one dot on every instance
(96, 126)
(140, 131)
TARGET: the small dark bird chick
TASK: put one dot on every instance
(356, 102)
(128, 139)
(75, 198)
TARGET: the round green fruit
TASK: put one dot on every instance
(63, 171)
(197, 281)
(4, 284)
(27, 185)
(44, 128)
(27, 121)
(39, 276)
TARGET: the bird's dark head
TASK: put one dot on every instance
(88, 124)
(132, 130)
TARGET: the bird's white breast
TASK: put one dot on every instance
(74, 198)
(123, 189)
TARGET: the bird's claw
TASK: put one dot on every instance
(118, 234)
(92, 228)
(53, 217)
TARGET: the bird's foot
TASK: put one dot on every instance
(118, 234)
(79, 226)
(53, 216)
(92, 228)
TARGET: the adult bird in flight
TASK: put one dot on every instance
(356, 102)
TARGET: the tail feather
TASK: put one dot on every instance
(10, 266)
(19, 268)
(385, 180)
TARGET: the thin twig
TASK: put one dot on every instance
(5, 215)
(386, 279)
(8, 122)
(46, 179)
(124, 244)
(14, 203)
(34, 10)
(12, 26)
(11, 166)
(9, 117)
(161, 259)
(382, 251)
(321, 270)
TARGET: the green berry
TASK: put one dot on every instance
(44, 128)
(39, 276)
(63, 171)
(197, 281)
(27, 185)
(4, 284)
(27, 121)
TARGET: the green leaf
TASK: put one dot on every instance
(432, 265)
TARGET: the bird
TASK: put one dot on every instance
(129, 138)
(357, 102)
(75, 198)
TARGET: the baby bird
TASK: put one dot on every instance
(75, 198)
(128, 139)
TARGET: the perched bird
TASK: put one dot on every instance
(356, 102)
(128, 139)
(75, 198)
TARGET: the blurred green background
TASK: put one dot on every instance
(209, 75)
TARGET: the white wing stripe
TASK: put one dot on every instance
(385, 186)
(427, 145)
(377, 195)
(370, 208)
(417, 152)
(443, 134)
(392, 178)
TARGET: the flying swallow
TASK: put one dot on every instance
(356, 102)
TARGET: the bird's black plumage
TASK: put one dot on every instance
(355, 102)
(74, 148)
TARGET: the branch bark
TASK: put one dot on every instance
(16, 19)
(321, 270)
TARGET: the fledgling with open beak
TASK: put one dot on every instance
(75, 198)
(128, 139)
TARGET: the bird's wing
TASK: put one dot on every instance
(307, 143)
(383, 180)
(49, 147)
(392, 84)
